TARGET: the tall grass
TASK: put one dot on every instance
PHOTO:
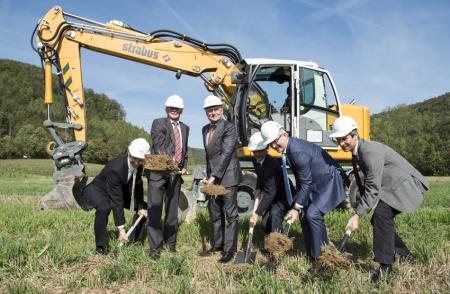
(51, 252)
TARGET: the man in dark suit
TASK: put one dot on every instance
(391, 185)
(319, 181)
(270, 189)
(118, 186)
(222, 167)
(170, 136)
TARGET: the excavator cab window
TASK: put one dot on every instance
(318, 107)
(266, 97)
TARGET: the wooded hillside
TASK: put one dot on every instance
(420, 132)
(22, 111)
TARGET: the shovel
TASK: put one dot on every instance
(341, 245)
(248, 256)
(133, 227)
(287, 228)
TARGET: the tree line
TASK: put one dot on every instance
(22, 112)
(419, 132)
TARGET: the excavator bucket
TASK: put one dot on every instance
(67, 190)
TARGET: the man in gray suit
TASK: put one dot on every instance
(222, 166)
(391, 185)
(170, 136)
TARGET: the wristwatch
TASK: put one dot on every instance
(297, 207)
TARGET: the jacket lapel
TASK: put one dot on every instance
(170, 130)
(125, 169)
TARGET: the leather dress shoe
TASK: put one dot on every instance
(226, 257)
(101, 250)
(155, 255)
(172, 249)
(382, 273)
(214, 250)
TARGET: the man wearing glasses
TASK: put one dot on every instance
(319, 185)
(170, 136)
(391, 186)
(116, 187)
(222, 168)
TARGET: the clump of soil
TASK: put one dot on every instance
(157, 162)
(212, 189)
(332, 258)
(277, 244)
(239, 270)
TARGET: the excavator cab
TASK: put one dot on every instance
(298, 95)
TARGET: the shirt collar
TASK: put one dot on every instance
(355, 150)
(130, 167)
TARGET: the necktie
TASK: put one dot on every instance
(176, 133)
(211, 133)
(287, 187)
(356, 174)
(132, 191)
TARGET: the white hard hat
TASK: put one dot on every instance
(211, 100)
(342, 126)
(139, 148)
(269, 131)
(256, 142)
(175, 101)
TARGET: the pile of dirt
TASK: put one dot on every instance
(277, 244)
(239, 271)
(216, 190)
(331, 258)
(163, 163)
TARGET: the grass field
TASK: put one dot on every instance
(52, 252)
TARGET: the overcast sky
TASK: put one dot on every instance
(380, 52)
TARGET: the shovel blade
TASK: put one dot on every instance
(242, 257)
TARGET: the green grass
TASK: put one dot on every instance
(51, 251)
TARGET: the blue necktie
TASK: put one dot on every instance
(287, 187)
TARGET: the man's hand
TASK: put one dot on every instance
(257, 194)
(353, 222)
(183, 172)
(123, 238)
(143, 212)
(292, 215)
(209, 180)
(254, 219)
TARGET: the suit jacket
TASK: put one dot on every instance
(164, 142)
(271, 184)
(319, 179)
(388, 177)
(221, 157)
(113, 182)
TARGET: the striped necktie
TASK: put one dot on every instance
(178, 149)
(132, 191)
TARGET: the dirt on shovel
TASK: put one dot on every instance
(214, 190)
(277, 244)
(331, 258)
(162, 163)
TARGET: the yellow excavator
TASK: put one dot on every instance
(299, 95)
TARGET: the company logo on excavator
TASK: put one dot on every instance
(127, 47)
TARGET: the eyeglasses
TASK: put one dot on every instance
(275, 142)
(341, 139)
(135, 158)
(173, 109)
